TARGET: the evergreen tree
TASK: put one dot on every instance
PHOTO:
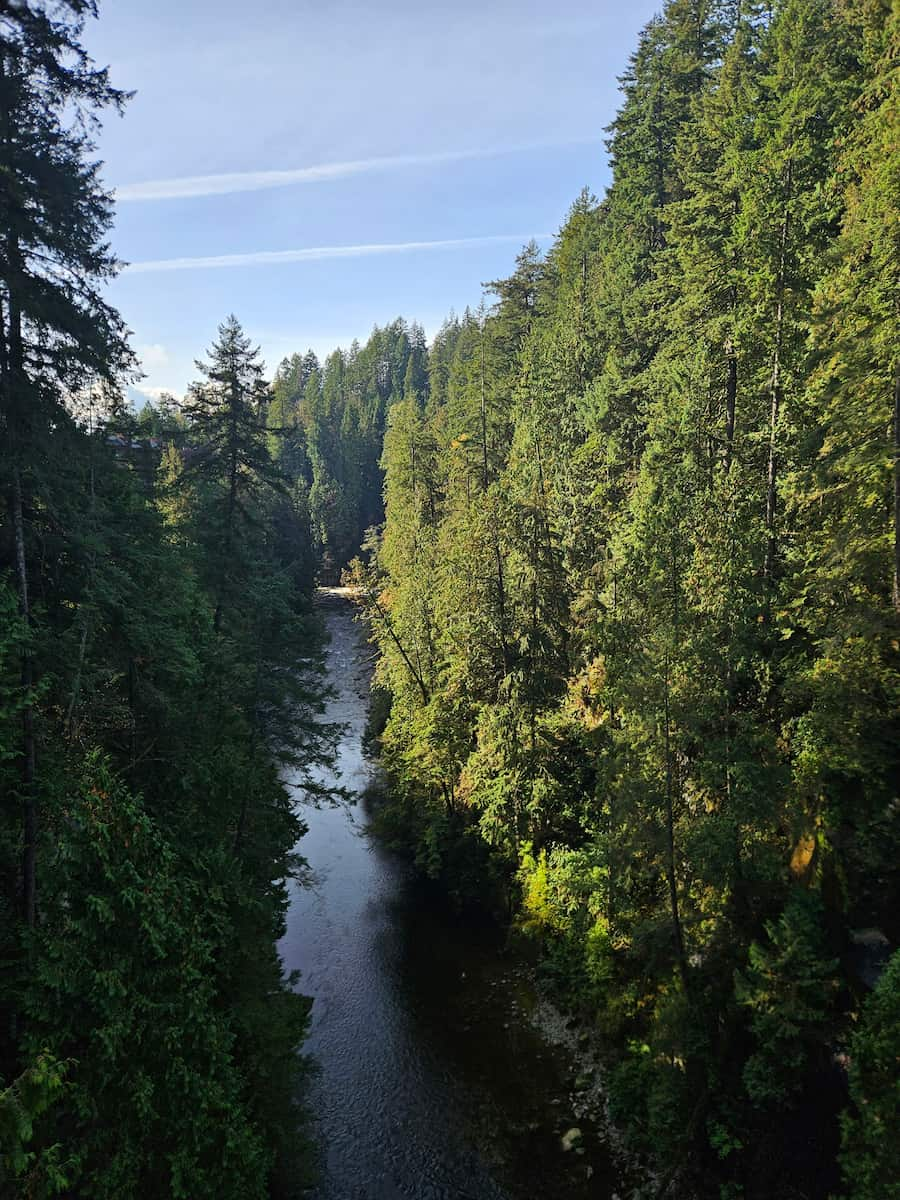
(634, 590)
(54, 215)
(233, 464)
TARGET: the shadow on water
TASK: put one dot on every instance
(432, 1083)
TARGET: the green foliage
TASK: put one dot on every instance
(331, 421)
(21, 1104)
(787, 988)
(651, 1097)
(159, 662)
(634, 596)
(125, 984)
(153, 971)
(628, 547)
(870, 1156)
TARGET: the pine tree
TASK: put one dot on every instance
(233, 465)
(56, 330)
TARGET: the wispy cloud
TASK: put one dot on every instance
(190, 186)
(259, 258)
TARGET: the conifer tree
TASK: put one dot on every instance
(671, 714)
(233, 464)
(56, 330)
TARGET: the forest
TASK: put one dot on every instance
(626, 539)
(157, 640)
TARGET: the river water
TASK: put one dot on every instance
(431, 1082)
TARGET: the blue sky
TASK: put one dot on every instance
(317, 168)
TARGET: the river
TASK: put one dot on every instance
(431, 1081)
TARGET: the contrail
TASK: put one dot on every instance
(190, 186)
(258, 258)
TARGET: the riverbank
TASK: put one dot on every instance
(589, 1097)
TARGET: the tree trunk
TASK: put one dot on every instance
(671, 781)
(670, 842)
(897, 488)
(498, 557)
(389, 626)
(29, 813)
(254, 738)
(83, 619)
(731, 384)
(13, 401)
(775, 389)
(229, 526)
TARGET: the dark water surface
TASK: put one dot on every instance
(431, 1082)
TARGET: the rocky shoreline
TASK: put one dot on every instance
(588, 1099)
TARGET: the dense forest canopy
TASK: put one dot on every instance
(627, 538)
(331, 419)
(157, 644)
(636, 596)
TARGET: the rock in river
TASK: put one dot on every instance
(571, 1138)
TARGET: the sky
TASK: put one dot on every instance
(319, 166)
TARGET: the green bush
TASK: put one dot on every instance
(871, 1128)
